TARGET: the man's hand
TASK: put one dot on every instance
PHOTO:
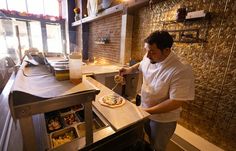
(129, 70)
(124, 71)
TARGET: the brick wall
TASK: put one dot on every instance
(108, 27)
(213, 112)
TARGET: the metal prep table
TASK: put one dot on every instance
(124, 121)
(125, 125)
(36, 91)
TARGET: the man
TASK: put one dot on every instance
(167, 84)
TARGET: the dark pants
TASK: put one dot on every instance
(159, 133)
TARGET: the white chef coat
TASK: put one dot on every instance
(169, 79)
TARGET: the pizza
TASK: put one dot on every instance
(112, 100)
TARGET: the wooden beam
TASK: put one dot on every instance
(126, 38)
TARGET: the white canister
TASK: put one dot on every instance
(75, 66)
(92, 7)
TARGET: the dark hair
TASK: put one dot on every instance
(162, 39)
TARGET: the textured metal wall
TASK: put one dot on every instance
(213, 112)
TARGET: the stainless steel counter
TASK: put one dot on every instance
(27, 99)
(120, 119)
(90, 68)
(125, 122)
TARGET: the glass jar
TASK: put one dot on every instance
(75, 68)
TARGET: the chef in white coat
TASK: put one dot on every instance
(167, 84)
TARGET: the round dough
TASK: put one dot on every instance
(112, 101)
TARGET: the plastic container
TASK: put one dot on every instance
(70, 119)
(80, 115)
(65, 111)
(77, 107)
(75, 68)
(53, 121)
(63, 136)
(81, 128)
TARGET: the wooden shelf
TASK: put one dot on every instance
(187, 36)
(188, 20)
(100, 15)
(135, 5)
(190, 35)
(130, 6)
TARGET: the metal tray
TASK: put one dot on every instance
(65, 111)
(56, 138)
(77, 107)
(67, 119)
(51, 118)
(81, 127)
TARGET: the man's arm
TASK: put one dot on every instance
(129, 70)
(135, 67)
(164, 106)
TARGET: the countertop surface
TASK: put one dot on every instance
(120, 117)
(100, 69)
(90, 68)
(38, 81)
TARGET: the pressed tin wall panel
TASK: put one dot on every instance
(212, 114)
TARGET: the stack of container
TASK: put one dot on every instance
(68, 124)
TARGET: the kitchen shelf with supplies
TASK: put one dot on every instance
(122, 7)
(191, 19)
(187, 36)
(190, 34)
(104, 13)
